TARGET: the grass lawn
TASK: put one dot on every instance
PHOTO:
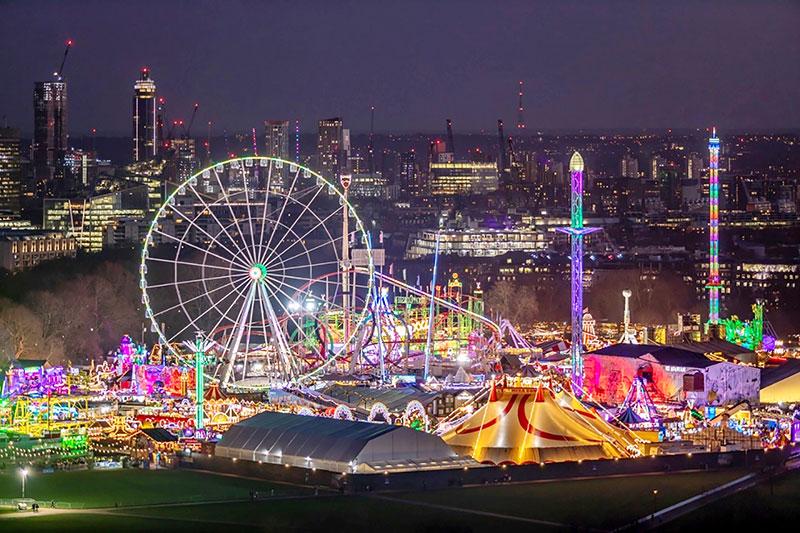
(94, 488)
(339, 513)
(597, 503)
(336, 513)
(117, 524)
(762, 508)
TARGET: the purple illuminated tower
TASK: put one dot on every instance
(713, 222)
(577, 231)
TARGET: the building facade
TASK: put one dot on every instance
(87, 219)
(477, 242)
(145, 142)
(330, 148)
(463, 178)
(10, 171)
(25, 249)
(49, 132)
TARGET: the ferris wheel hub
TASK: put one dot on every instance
(257, 272)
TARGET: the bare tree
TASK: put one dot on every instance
(518, 304)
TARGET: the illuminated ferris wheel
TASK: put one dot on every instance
(266, 258)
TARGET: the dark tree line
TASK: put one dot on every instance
(69, 310)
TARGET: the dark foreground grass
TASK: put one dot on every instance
(105, 523)
(340, 513)
(329, 514)
(766, 507)
(136, 487)
(595, 503)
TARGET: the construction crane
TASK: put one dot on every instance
(451, 147)
(512, 159)
(502, 158)
(521, 111)
(162, 117)
(188, 130)
(60, 72)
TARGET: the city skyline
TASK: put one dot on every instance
(600, 75)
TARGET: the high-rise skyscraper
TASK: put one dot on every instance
(694, 167)
(10, 188)
(408, 174)
(276, 135)
(628, 167)
(145, 143)
(49, 132)
(329, 148)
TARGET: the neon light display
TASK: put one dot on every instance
(577, 231)
(379, 410)
(748, 333)
(200, 346)
(713, 223)
(343, 412)
(166, 422)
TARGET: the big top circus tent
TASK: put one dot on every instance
(526, 421)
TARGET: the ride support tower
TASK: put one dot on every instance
(714, 283)
(576, 230)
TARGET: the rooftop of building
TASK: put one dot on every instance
(665, 355)
(773, 374)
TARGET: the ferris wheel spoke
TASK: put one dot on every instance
(288, 313)
(249, 328)
(233, 216)
(211, 212)
(193, 321)
(249, 213)
(265, 341)
(194, 224)
(184, 282)
(283, 208)
(224, 316)
(308, 251)
(266, 205)
(194, 298)
(299, 195)
(298, 267)
(306, 235)
(283, 362)
(187, 263)
(231, 260)
(291, 228)
(282, 345)
(232, 346)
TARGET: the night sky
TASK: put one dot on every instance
(592, 64)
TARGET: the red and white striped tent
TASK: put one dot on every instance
(531, 423)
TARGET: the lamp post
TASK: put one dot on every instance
(24, 474)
